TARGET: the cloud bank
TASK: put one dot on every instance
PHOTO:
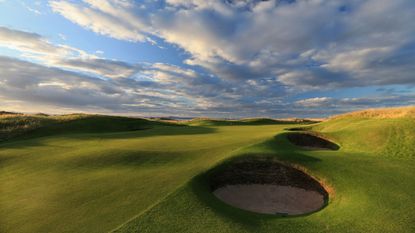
(246, 57)
(307, 43)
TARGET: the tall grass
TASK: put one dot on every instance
(399, 112)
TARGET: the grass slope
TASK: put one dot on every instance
(95, 182)
(155, 180)
(375, 132)
(23, 125)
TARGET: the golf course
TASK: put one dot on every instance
(92, 173)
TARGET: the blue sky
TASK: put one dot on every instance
(240, 58)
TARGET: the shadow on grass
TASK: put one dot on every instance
(283, 150)
(123, 158)
(37, 140)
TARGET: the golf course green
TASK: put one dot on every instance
(90, 173)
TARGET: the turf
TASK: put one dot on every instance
(29, 126)
(156, 179)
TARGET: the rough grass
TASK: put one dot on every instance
(382, 113)
(391, 137)
(155, 180)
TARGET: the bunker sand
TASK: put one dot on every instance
(271, 199)
(267, 186)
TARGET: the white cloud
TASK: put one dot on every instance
(36, 47)
(110, 18)
(258, 39)
(104, 67)
(41, 85)
(315, 102)
(350, 104)
(167, 72)
(29, 43)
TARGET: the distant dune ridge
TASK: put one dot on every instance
(16, 124)
(13, 124)
(397, 112)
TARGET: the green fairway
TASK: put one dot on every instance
(133, 175)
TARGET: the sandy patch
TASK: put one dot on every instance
(270, 198)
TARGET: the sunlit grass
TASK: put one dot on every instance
(97, 174)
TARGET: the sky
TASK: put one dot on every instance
(211, 58)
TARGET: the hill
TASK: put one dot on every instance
(32, 125)
(387, 132)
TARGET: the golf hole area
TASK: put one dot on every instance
(268, 187)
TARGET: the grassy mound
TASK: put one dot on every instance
(25, 125)
(381, 113)
(376, 132)
(247, 121)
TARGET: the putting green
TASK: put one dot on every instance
(156, 179)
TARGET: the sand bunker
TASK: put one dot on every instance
(311, 141)
(269, 187)
(271, 199)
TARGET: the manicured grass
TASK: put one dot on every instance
(95, 182)
(156, 179)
